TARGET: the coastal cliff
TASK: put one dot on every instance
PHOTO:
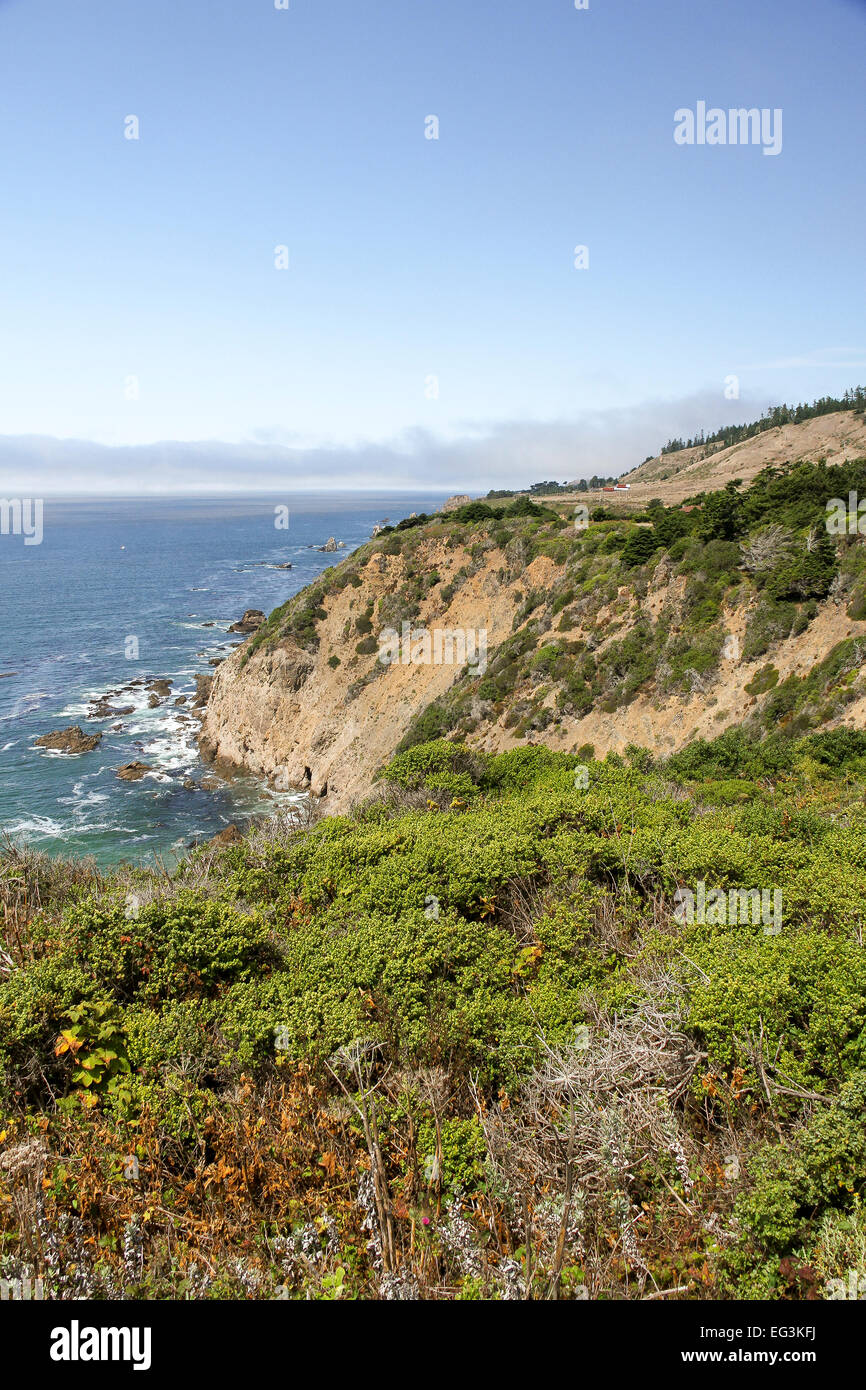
(322, 711)
(649, 629)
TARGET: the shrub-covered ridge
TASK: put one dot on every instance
(375, 1055)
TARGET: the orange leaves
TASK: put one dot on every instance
(67, 1042)
(300, 911)
(328, 1161)
(220, 1174)
(716, 1084)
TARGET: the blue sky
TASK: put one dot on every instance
(413, 258)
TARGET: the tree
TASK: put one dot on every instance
(639, 547)
(722, 517)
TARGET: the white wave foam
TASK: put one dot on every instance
(39, 825)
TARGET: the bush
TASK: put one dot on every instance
(763, 680)
(770, 622)
(452, 936)
(639, 548)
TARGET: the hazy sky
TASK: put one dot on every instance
(140, 301)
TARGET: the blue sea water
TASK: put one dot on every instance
(173, 574)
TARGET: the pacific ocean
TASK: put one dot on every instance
(125, 590)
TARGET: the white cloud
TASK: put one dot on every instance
(481, 455)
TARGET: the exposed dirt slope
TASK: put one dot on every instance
(674, 477)
(330, 717)
(292, 716)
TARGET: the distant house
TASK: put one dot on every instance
(621, 487)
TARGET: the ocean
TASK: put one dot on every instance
(120, 590)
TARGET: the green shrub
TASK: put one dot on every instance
(639, 547)
(763, 680)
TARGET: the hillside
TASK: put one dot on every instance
(650, 629)
(471, 1042)
(836, 438)
(520, 1022)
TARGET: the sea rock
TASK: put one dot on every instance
(133, 772)
(329, 546)
(229, 836)
(71, 740)
(181, 700)
(252, 619)
(286, 566)
(216, 660)
(202, 690)
(210, 784)
(103, 710)
(161, 686)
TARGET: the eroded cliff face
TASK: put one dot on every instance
(315, 712)
(328, 719)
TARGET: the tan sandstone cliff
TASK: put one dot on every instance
(328, 719)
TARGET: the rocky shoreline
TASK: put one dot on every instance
(187, 708)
